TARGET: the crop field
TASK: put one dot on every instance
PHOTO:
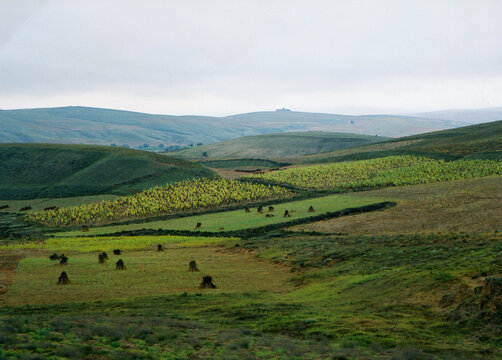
(181, 196)
(381, 172)
(148, 273)
(239, 219)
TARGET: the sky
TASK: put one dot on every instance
(223, 57)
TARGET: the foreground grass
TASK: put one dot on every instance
(238, 219)
(357, 296)
(142, 337)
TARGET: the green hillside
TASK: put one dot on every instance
(482, 141)
(281, 145)
(31, 171)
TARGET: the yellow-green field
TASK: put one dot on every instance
(148, 273)
(238, 219)
(90, 244)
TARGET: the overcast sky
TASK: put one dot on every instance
(224, 57)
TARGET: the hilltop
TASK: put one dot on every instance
(32, 171)
(85, 125)
(278, 145)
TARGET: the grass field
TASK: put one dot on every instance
(148, 273)
(90, 244)
(49, 170)
(238, 219)
(354, 296)
(473, 205)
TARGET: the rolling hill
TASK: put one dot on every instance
(85, 125)
(482, 141)
(279, 145)
(32, 171)
(465, 115)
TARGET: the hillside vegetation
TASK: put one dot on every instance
(280, 145)
(182, 196)
(482, 141)
(32, 171)
(380, 172)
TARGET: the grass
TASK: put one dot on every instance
(480, 141)
(358, 296)
(472, 205)
(280, 145)
(238, 219)
(93, 244)
(148, 273)
(48, 170)
(243, 164)
(149, 338)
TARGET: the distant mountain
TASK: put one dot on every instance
(465, 115)
(86, 125)
(277, 145)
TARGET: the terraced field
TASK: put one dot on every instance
(239, 219)
(381, 172)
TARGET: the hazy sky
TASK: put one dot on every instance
(223, 57)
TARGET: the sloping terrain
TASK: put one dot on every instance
(482, 141)
(32, 171)
(278, 145)
(466, 115)
(472, 205)
(84, 125)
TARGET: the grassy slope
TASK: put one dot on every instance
(360, 297)
(47, 171)
(243, 164)
(472, 205)
(278, 145)
(477, 141)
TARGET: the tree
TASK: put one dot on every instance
(204, 154)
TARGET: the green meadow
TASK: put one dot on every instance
(148, 272)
